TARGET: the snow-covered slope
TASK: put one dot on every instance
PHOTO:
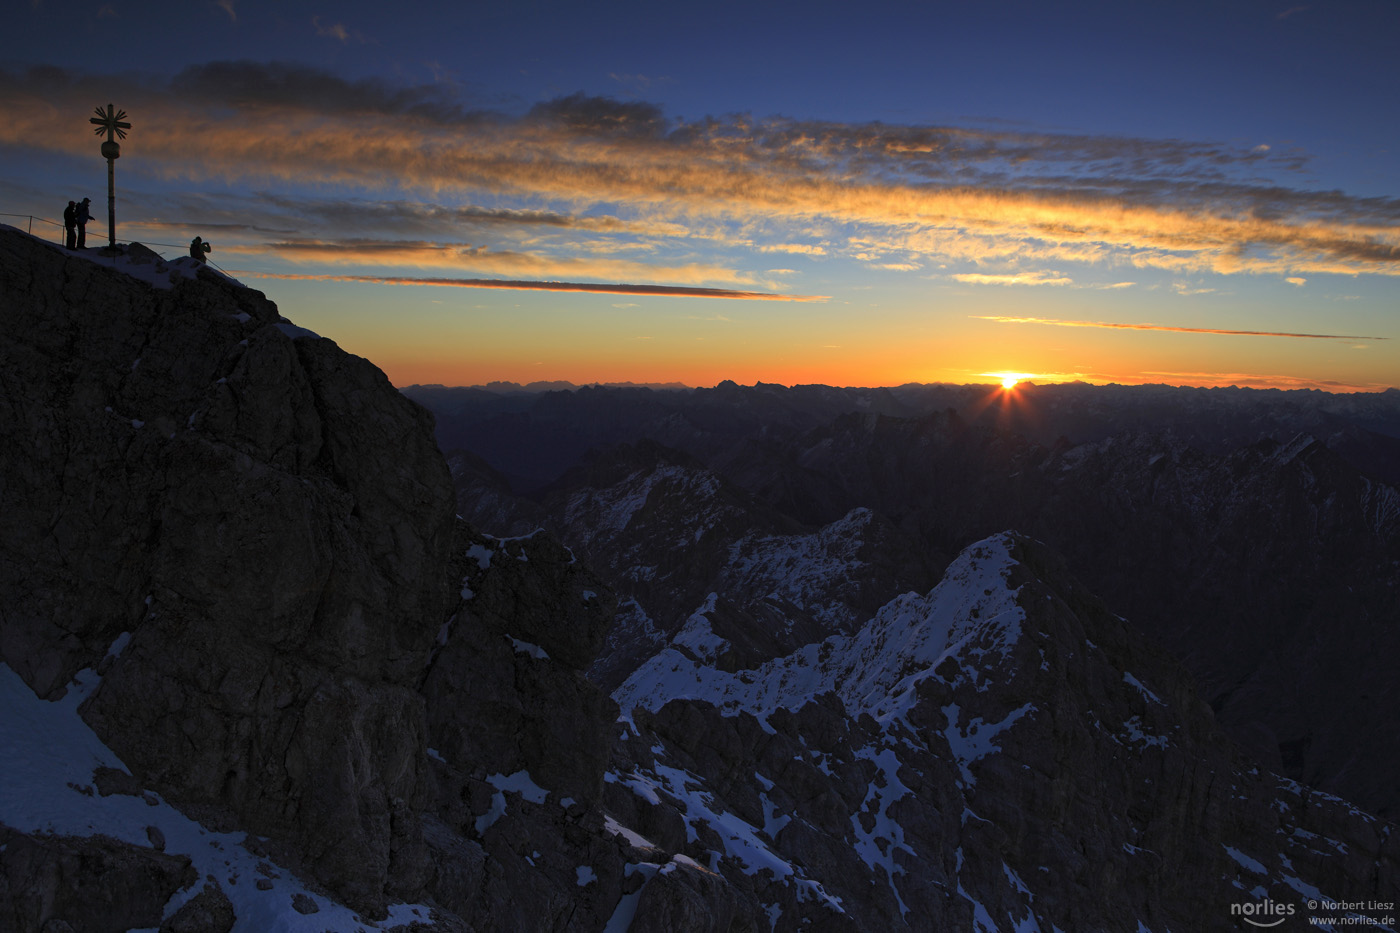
(686, 549)
(1001, 754)
(874, 671)
(50, 756)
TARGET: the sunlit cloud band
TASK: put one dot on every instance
(904, 195)
(1004, 319)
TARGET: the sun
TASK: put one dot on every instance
(1008, 379)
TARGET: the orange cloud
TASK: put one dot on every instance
(1019, 278)
(916, 191)
(1002, 319)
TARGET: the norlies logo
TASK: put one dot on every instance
(1263, 914)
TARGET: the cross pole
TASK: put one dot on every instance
(111, 122)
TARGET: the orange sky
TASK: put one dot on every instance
(478, 224)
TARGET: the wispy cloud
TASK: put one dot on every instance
(672, 291)
(900, 195)
(1018, 278)
(227, 7)
(1264, 381)
(1003, 319)
(333, 30)
(478, 258)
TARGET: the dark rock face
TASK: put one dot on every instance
(1002, 753)
(506, 692)
(1271, 570)
(90, 883)
(268, 520)
(209, 911)
(693, 557)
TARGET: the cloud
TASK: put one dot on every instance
(807, 249)
(579, 113)
(1018, 278)
(334, 30)
(1265, 381)
(1296, 280)
(1003, 319)
(478, 258)
(918, 193)
(670, 291)
(227, 7)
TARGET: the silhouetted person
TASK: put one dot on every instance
(83, 217)
(198, 248)
(70, 225)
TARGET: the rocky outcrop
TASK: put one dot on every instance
(697, 561)
(248, 534)
(89, 883)
(1002, 753)
(209, 911)
(506, 691)
(247, 530)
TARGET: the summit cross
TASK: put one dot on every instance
(112, 122)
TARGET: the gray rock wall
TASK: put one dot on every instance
(265, 517)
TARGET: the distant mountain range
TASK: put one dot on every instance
(557, 385)
(533, 436)
(1254, 533)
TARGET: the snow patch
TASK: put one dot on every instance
(876, 671)
(525, 647)
(1245, 861)
(482, 556)
(519, 783)
(295, 332)
(1134, 682)
(976, 740)
(47, 747)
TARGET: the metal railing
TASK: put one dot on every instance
(147, 243)
(32, 218)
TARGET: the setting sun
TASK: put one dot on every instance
(1008, 380)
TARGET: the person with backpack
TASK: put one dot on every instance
(70, 220)
(83, 216)
(198, 248)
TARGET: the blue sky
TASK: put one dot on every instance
(1185, 193)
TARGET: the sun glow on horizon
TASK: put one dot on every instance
(1008, 380)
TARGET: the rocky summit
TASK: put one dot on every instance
(257, 675)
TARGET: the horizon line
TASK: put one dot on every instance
(675, 386)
